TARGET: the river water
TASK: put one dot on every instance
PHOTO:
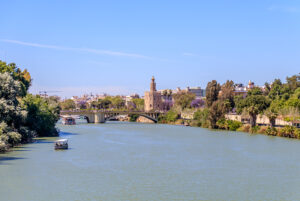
(131, 161)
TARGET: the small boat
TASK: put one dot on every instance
(61, 144)
(68, 121)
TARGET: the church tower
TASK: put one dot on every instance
(152, 98)
(152, 85)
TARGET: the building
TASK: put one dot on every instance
(197, 91)
(152, 98)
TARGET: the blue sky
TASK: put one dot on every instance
(115, 47)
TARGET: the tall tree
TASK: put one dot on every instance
(216, 112)
(212, 92)
(227, 95)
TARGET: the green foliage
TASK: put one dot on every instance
(133, 117)
(254, 129)
(23, 77)
(42, 115)
(216, 112)
(228, 124)
(212, 92)
(184, 99)
(255, 103)
(227, 95)
(139, 103)
(201, 117)
(271, 131)
(68, 104)
(289, 131)
(170, 117)
(14, 138)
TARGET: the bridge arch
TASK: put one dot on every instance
(107, 118)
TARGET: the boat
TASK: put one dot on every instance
(68, 121)
(61, 144)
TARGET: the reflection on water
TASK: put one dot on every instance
(129, 161)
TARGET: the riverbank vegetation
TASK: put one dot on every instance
(23, 116)
(274, 100)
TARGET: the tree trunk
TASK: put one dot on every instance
(253, 120)
(272, 122)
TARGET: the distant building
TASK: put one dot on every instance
(197, 91)
(240, 89)
(153, 100)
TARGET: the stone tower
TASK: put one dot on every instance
(152, 98)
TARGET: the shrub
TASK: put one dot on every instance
(133, 117)
(231, 125)
(262, 129)
(201, 117)
(245, 128)
(271, 131)
(14, 138)
(289, 131)
(2, 146)
(254, 129)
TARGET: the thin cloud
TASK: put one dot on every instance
(288, 9)
(89, 50)
(189, 54)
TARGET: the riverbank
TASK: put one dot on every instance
(229, 125)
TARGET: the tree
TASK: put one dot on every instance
(117, 102)
(254, 104)
(10, 111)
(22, 76)
(104, 103)
(216, 112)
(43, 113)
(184, 99)
(196, 103)
(272, 112)
(227, 95)
(212, 92)
(139, 103)
(201, 117)
(68, 104)
(293, 82)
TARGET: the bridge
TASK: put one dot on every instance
(101, 116)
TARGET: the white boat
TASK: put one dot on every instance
(61, 144)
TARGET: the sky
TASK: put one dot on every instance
(115, 47)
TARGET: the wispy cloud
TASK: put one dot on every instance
(189, 54)
(80, 90)
(89, 50)
(288, 9)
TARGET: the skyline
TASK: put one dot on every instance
(117, 47)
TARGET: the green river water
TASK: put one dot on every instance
(131, 161)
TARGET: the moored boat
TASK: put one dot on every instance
(61, 144)
(68, 121)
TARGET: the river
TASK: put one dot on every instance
(131, 161)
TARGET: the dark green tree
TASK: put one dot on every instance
(212, 92)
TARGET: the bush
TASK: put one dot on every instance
(226, 124)
(14, 138)
(271, 131)
(201, 117)
(244, 128)
(289, 131)
(133, 117)
(262, 129)
(2, 146)
(254, 129)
